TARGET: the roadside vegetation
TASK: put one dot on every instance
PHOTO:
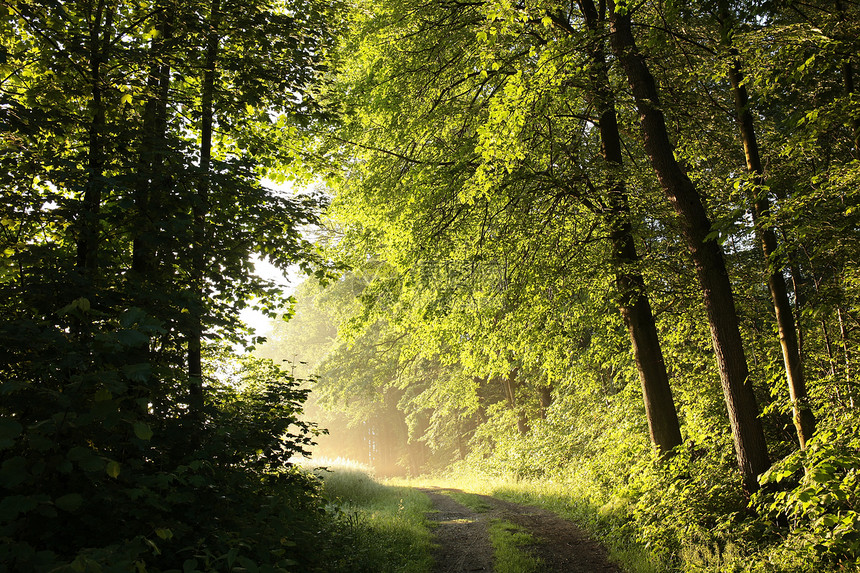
(374, 527)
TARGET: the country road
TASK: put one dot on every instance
(463, 542)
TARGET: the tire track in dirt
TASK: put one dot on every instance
(464, 546)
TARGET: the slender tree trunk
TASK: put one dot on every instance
(200, 209)
(88, 239)
(747, 432)
(848, 82)
(663, 425)
(846, 354)
(797, 282)
(152, 185)
(510, 385)
(804, 420)
(828, 345)
(545, 399)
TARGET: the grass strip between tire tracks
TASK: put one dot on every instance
(509, 547)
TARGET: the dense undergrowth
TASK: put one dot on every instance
(92, 482)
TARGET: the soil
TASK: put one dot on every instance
(464, 546)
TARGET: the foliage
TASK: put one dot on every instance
(815, 492)
(114, 488)
(477, 210)
(472, 200)
(376, 527)
(121, 250)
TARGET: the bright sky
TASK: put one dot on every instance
(264, 269)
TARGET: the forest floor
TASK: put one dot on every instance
(462, 536)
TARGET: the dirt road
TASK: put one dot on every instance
(464, 545)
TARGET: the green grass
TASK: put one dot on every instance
(377, 528)
(471, 500)
(508, 542)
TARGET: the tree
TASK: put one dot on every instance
(804, 420)
(634, 304)
(498, 191)
(100, 185)
(750, 445)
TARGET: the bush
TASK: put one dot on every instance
(104, 468)
(815, 495)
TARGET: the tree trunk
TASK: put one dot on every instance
(848, 83)
(663, 425)
(200, 209)
(707, 256)
(152, 182)
(846, 354)
(88, 238)
(545, 399)
(797, 282)
(804, 420)
(151, 186)
(510, 384)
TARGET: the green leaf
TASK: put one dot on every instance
(13, 472)
(112, 469)
(81, 304)
(142, 431)
(248, 564)
(14, 505)
(137, 372)
(819, 475)
(165, 533)
(132, 338)
(79, 453)
(9, 430)
(103, 395)
(69, 502)
(92, 464)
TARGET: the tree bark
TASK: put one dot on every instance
(848, 82)
(707, 256)
(797, 282)
(663, 425)
(510, 385)
(804, 420)
(200, 210)
(152, 182)
(88, 239)
(846, 354)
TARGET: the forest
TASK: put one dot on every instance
(605, 248)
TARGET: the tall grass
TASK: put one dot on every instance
(377, 528)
